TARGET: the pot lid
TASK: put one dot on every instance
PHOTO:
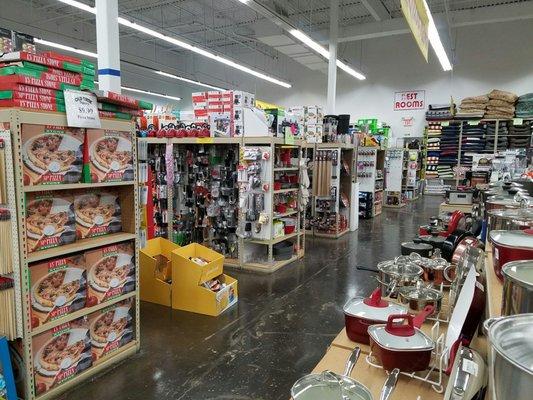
(370, 309)
(401, 267)
(417, 246)
(512, 338)
(415, 340)
(432, 239)
(519, 271)
(329, 386)
(421, 293)
(517, 214)
(513, 239)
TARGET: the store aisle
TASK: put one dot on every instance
(280, 330)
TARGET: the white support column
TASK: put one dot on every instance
(332, 65)
(107, 43)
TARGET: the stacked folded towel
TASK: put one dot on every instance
(501, 105)
(524, 106)
(520, 136)
(440, 112)
(503, 132)
(473, 107)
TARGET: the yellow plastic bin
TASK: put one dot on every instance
(188, 291)
(156, 271)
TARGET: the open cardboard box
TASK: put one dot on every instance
(188, 291)
(156, 271)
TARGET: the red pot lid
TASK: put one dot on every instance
(372, 308)
(514, 239)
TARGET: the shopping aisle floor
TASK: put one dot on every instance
(280, 329)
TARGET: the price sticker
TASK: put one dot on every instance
(470, 367)
(82, 109)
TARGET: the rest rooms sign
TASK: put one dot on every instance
(418, 20)
(82, 109)
(410, 100)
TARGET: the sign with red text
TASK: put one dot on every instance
(410, 100)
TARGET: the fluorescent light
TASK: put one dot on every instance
(244, 1)
(436, 43)
(166, 96)
(180, 78)
(324, 53)
(184, 45)
(66, 48)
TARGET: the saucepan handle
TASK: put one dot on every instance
(352, 360)
(363, 268)
(389, 385)
(397, 317)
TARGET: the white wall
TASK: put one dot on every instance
(487, 56)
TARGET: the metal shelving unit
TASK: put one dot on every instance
(15, 119)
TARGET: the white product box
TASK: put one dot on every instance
(199, 97)
(313, 133)
(255, 122)
(243, 99)
(220, 124)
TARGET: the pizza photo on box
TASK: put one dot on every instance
(97, 214)
(50, 221)
(58, 288)
(110, 155)
(110, 328)
(111, 272)
(51, 154)
(61, 353)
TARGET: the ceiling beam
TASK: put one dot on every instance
(376, 8)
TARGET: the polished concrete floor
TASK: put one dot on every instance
(279, 330)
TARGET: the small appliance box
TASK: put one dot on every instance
(60, 354)
(52, 154)
(97, 213)
(220, 124)
(50, 220)
(57, 287)
(313, 133)
(315, 115)
(243, 99)
(111, 328)
(110, 155)
(110, 272)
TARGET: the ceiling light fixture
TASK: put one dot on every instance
(66, 48)
(180, 78)
(166, 96)
(324, 53)
(436, 43)
(184, 45)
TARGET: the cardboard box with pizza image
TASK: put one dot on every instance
(97, 213)
(110, 272)
(111, 328)
(50, 220)
(110, 154)
(58, 287)
(61, 353)
(52, 154)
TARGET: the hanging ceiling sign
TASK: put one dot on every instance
(410, 100)
(416, 16)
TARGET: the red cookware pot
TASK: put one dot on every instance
(360, 313)
(469, 241)
(161, 133)
(181, 132)
(510, 246)
(400, 345)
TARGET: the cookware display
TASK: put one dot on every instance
(418, 247)
(517, 287)
(435, 241)
(466, 242)
(331, 386)
(400, 345)
(511, 357)
(468, 379)
(473, 257)
(510, 246)
(436, 270)
(360, 313)
(510, 219)
(499, 202)
(417, 298)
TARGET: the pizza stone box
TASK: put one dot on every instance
(60, 354)
(51, 154)
(50, 220)
(110, 272)
(111, 328)
(156, 271)
(110, 155)
(97, 213)
(199, 97)
(57, 287)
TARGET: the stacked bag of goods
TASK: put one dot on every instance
(440, 112)
(501, 105)
(503, 132)
(520, 135)
(473, 107)
(524, 106)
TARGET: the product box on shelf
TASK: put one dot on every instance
(58, 287)
(110, 272)
(60, 354)
(51, 154)
(313, 133)
(111, 328)
(110, 154)
(200, 285)
(220, 124)
(243, 99)
(50, 220)
(314, 115)
(97, 213)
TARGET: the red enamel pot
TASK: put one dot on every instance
(510, 246)
(361, 312)
(400, 345)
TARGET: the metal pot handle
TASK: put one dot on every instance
(352, 360)
(389, 385)
(488, 323)
(446, 275)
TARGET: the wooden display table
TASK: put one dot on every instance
(494, 286)
(448, 208)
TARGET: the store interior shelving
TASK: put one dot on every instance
(370, 175)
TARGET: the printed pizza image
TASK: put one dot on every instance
(43, 219)
(59, 288)
(62, 352)
(111, 271)
(112, 154)
(110, 326)
(51, 152)
(92, 209)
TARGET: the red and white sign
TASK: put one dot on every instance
(410, 100)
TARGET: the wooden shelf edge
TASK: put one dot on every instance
(275, 240)
(269, 268)
(72, 186)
